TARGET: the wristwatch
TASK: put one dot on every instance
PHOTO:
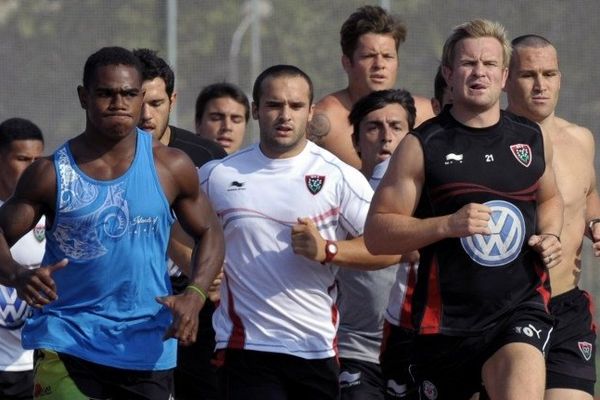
(331, 250)
(593, 222)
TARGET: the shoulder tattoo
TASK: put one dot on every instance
(318, 128)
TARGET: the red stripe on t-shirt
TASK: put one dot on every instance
(430, 324)
(441, 192)
(387, 331)
(335, 315)
(238, 335)
(406, 310)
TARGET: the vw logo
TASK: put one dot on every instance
(504, 244)
(13, 310)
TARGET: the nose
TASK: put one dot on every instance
(226, 124)
(379, 62)
(118, 102)
(386, 133)
(538, 83)
(285, 113)
(145, 112)
(478, 69)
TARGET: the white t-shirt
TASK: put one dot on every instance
(28, 251)
(273, 300)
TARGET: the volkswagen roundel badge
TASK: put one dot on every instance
(504, 244)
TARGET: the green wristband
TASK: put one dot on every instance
(198, 290)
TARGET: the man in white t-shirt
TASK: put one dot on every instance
(21, 143)
(277, 320)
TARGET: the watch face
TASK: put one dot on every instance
(332, 248)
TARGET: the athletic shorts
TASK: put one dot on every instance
(449, 367)
(16, 385)
(58, 376)
(247, 374)
(570, 363)
(361, 380)
(395, 361)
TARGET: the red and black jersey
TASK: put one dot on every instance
(466, 284)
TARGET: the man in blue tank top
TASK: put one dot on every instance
(104, 323)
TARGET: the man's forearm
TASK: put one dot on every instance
(354, 254)
(207, 258)
(399, 234)
(550, 216)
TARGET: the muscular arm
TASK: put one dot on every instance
(391, 228)
(550, 214)
(550, 203)
(35, 190)
(197, 218)
(34, 196)
(592, 203)
(331, 130)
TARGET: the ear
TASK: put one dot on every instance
(504, 77)
(436, 106)
(447, 74)
(82, 94)
(346, 63)
(173, 100)
(311, 112)
(254, 111)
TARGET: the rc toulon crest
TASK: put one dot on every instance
(522, 153)
(314, 183)
(39, 232)
(586, 349)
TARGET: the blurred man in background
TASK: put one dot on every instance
(222, 112)
(21, 143)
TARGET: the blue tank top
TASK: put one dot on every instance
(115, 235)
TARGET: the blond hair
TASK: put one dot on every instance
(477, 28)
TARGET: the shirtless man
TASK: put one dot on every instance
(370, 39)
(21, 143)
(532, 88)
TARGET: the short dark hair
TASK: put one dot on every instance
(439, 86)
(18, 129)
(379, 99)
(108, 56)
(530, 40)
(217, 91)
(277, 71)
(154, 66)
(370, 19)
